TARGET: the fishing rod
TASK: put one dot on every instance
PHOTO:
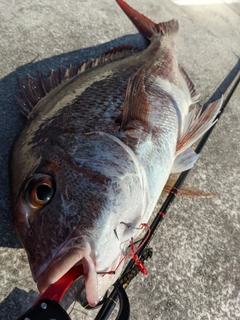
(47, 306)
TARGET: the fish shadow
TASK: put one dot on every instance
(11, 120)
(20, 301)
(17, 303)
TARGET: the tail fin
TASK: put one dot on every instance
(146, 26)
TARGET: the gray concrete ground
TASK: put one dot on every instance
(195, 269)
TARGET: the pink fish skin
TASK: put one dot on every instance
(100, 143)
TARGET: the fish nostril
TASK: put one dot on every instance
(118, 121)
(30, 233)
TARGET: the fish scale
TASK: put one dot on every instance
(98, 108)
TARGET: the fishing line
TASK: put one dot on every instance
(132, 255)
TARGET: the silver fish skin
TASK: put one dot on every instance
(92, 160)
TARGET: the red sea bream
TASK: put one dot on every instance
(99, 145)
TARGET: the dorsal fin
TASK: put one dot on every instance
(34, 90)
(146, 26)
(136, 104)
(190, 84)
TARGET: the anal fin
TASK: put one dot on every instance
(185, 189)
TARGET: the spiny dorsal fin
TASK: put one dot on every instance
(146, 26)
(185, 189)
(34, 90)
(136, 104)
(194, 95)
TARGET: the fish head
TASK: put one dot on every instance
(76, 200)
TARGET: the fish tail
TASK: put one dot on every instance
(146, 26)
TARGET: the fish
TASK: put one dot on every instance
(100, 142)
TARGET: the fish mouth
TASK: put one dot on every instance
(64, 262)
(96, 284)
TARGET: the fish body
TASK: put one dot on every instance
(96, 152)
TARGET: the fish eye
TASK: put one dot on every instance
(39, 190)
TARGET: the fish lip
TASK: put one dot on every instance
(73, 247)
(60, 265)
(78, 249)
(76, 256)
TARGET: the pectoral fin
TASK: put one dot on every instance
(136, 104)
(184, 161)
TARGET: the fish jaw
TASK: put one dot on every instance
(96, 284)
(62, 263)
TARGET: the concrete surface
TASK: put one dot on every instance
(195, 269)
